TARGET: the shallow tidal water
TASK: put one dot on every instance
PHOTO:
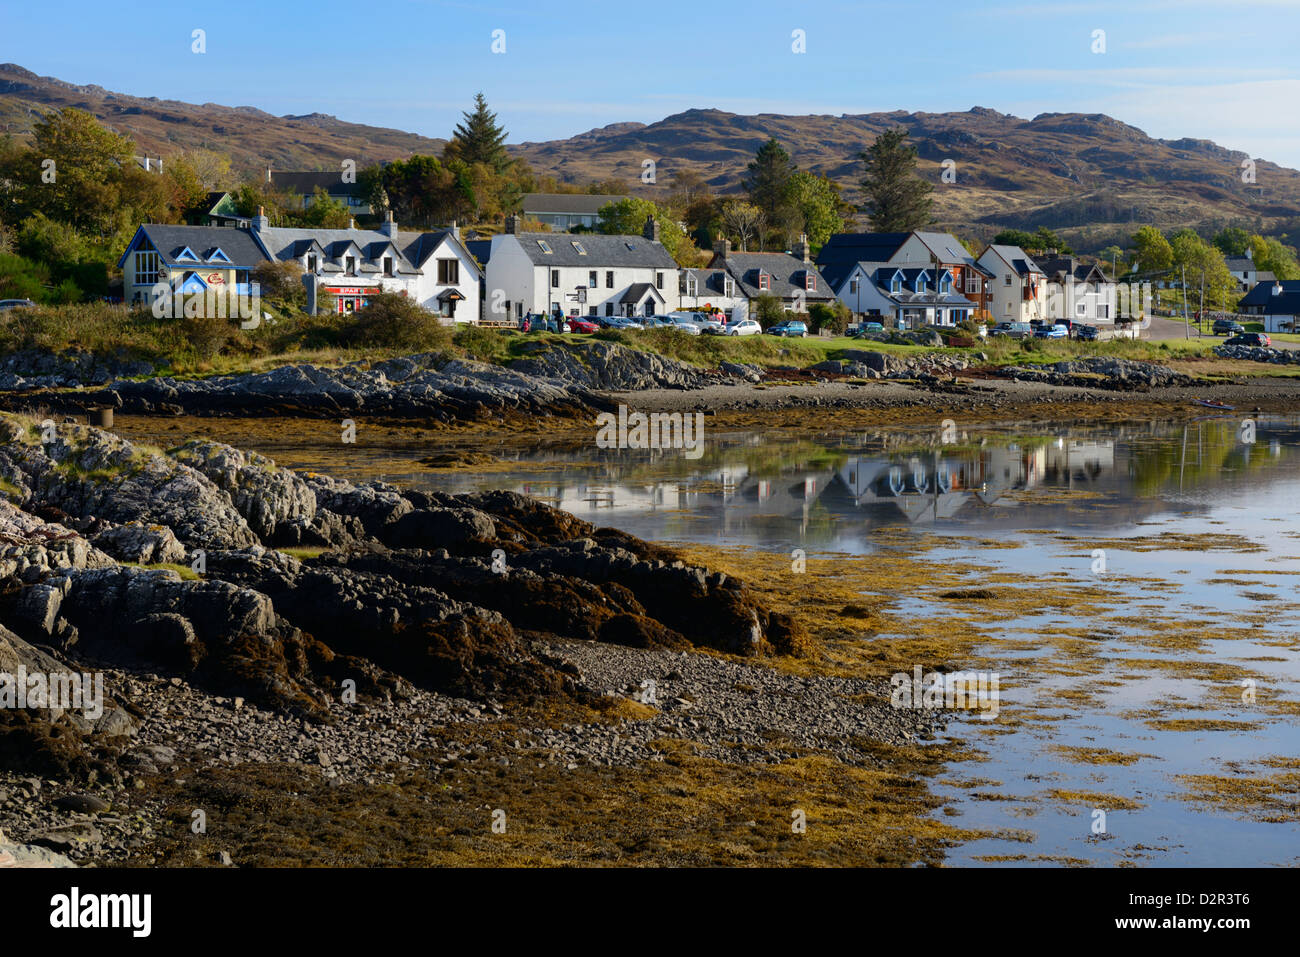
(1143, 616)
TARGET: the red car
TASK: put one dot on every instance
(582, 325)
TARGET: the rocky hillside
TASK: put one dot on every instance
(254, 139)
(1059, 170)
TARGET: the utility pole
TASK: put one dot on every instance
(1187, 326)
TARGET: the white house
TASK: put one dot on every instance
(1276, 304)
(579, 274)
(912, 294)
(565, 211)
(1078, 292)
(849, 262)
(434, 268)
(1018, 289)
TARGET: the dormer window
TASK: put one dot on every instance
(810, 282)
(545, 247)
(187, 255)
(896, 284)
(764, 280)
(217, 255)
(728, 286)
(350, 265)
(688, 286)
(311, 263)
(388, 265)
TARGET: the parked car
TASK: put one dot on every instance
(790, 327)
(745, 327)
(870, 329)
(682, 324)
(1014, 330)
(1087, 333)
(582, 325)
(15, 304)
(1257, 339)
(1057, 331)
(623, 322)
(1227, 327)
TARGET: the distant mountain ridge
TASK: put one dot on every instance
(1088, 175)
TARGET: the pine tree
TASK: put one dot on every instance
(768, 179)
(479, 139)
(898, 200)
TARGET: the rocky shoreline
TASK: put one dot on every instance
(572, 380)
(394, 621)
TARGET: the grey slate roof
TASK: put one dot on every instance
(1019, 260)
(786, 271)
(843, 251)
(480, 249)
(602, 251)
(637, 291)
(947, 248)
(304, 183)
(1240, 264)
(882, 275)
(240, 248)
(708, 281)
(1058, 267)
(577, 204)
(285, 243)
(1285, 304)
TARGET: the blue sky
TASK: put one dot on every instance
(1225, 71)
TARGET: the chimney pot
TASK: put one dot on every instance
(651, 230)
(722, 248)
(512, 225)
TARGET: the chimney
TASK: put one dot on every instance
(722, 248)
(801, 248)
(1250, 253)
(455, 228)
(389, 226)
(512, 225)
(260, 222)
(160, 164)
(352, 223)
(1277, 289)
(651, 230)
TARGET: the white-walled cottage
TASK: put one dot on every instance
(1018, 287)
(579, 274)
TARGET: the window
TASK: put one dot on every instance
(146, 268)
(1103, 312)
(896, 284)
(764, 280)
(853, 286)
(1007, 279)
(591, 279)
(350, 265)
(609, 279)
(388, 265)
(687, 285)
(810, 282)
(311, 263)
(448, 272)
(187, 255)
(241, 277)
(972, 284)
(659, 281)
(728, 286)
(1081, 309)
(1008, 309)
(578, 246)
(591, 311)
(544, 246)
(555, 279)
(609, 309)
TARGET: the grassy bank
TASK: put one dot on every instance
(198, 347)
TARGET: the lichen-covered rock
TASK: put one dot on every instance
(267, 496)
(141, 544)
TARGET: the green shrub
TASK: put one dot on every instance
(767, 310)
(482, 343)
(393, 321)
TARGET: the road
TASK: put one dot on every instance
(1162, 329)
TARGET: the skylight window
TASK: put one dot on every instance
(578, 246)
(544, 246)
